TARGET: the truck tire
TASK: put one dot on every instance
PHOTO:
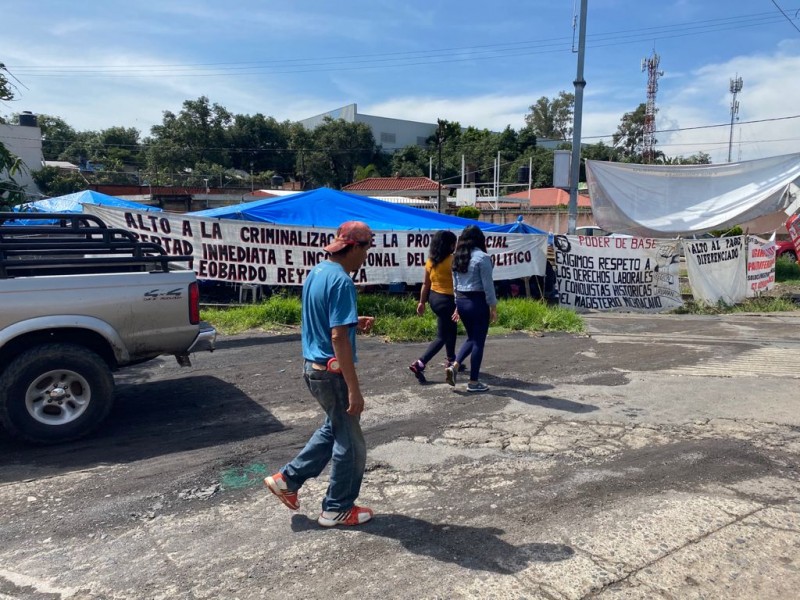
(55, 393)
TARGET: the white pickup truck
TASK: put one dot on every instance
(78, 300)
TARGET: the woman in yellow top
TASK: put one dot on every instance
(437, 290)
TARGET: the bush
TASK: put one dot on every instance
(468, 212)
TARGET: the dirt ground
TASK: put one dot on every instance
(653, 457)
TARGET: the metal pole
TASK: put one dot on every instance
(580, 83)
(439, 170)
(530, 176)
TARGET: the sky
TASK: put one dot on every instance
(104, 63)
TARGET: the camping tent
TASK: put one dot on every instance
(325, 207)
(72, 203)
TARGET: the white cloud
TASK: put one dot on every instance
(487, 111)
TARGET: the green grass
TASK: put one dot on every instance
(395, 317)
(763, 304)
(787, 271)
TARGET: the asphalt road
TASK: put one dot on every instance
(656, 457)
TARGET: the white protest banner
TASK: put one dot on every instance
(760, 265)
(617, 273)
(270, 254)
(717, 269)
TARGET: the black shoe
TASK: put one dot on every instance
(417, 368)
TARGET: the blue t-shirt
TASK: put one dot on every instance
(329, 300)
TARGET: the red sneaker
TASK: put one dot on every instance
(277, 485)
(357, 515)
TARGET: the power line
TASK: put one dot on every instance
(788, 18)
(402, 59)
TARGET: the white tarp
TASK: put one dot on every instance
(717, 269)
(760, 266)
(659, 200)
(271, 254)
(612, 273)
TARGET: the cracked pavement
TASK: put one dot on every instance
(654, 457)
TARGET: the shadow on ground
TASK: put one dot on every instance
(476, 548)
(149, 419)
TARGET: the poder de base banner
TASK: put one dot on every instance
(611, 273)
(270, 254)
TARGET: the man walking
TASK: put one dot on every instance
(329, 323)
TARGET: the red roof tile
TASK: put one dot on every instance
(546, 197)
(392, 184)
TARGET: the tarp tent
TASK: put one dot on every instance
(518, 226)
(661, 201)
(71, 203)
(325, 207)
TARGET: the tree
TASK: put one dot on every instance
(411, 161)
(55, 182)
(261, 143)
(552, 118)
(57, 136)
(338, 148)
(629, 138)
(198, 133)
(11, 192)
(698, 158)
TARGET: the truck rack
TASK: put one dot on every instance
(73, 243)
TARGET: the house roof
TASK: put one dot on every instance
(393, 184)
(546, 197)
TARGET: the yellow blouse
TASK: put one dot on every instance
(441, 276)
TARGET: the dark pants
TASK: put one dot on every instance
(474, 314)
(443, 306)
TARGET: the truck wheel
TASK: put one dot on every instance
(55, 393)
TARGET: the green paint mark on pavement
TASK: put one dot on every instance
(249, 476)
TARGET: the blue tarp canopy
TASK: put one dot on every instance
(518, 226)
(71, 203)
(329, 208)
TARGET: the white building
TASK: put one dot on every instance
(25, 141)
(391, 134)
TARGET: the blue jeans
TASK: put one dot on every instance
(340, 438)
(474, 314)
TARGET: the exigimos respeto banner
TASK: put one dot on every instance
(272, 254)
(616, 273)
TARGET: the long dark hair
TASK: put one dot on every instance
(442, 245)
(472, 237)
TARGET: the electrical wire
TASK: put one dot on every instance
(404, 59)
(788, 18)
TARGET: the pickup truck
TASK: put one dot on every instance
(79, 300)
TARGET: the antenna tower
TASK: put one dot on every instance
(736, 87)
(649, 142)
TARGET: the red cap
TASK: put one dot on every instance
(349, 234)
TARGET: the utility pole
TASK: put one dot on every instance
(736, 87)
(440, 140)
(575, 167)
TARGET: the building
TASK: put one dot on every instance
(391, 134)
(25, 141)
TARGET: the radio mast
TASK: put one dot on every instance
(649, 139)
(736, 87)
